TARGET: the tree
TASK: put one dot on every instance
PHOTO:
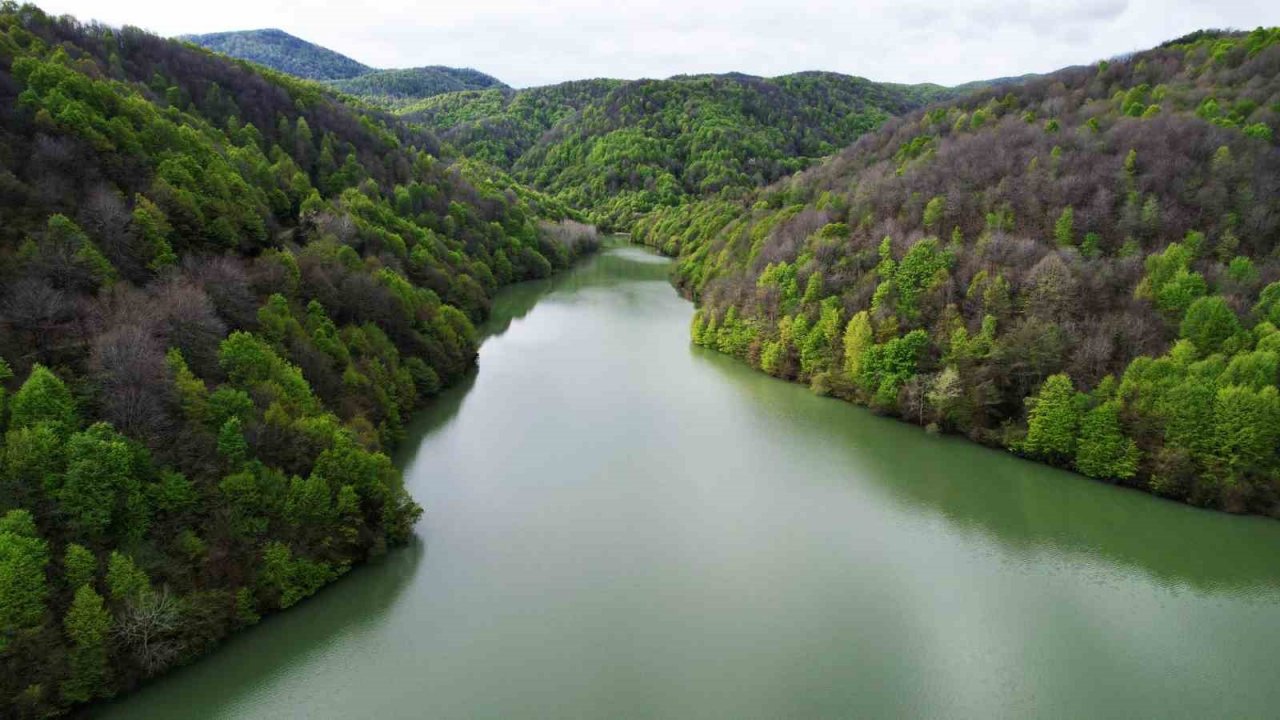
(101, 485)
(87, 625)
(125, 580)
(933, 213)
(80, 565)
(1209, 324)
(1246, 428)
(1064, 228)
(1104, 451)
(23, 556)
(43, 398)
(1053, 420)
(858, 336)
(945, 390)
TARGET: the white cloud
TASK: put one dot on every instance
(545, 41)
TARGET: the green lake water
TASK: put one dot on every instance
(621, 525)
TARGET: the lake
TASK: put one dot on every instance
(621, 525)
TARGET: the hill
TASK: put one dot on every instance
(1081, 268)
(281, 51)
(398, 88)
(222, 291)
(618, 149)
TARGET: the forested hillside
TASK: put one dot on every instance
(221, 293)
(619, 149)
(281, 51)
(1081, 268)
(395, 88)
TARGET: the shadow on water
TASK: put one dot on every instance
(283, 641)
(1025, 507)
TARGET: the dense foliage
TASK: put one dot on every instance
(400, 88)
(221, 293)
(281, 51)
(1081, 268)
(619, 149)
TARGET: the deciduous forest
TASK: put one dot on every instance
(223, 293)
(1080, 268)
(226, 284)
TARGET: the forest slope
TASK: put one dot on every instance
(221, 293)
(1081, 268)
(617, 149)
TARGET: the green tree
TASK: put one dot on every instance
(933, 213)
(88, 625)
(101, 486)
(1103, 450)
(1209, 324)
(1246, 428)
(43, 398)
(125, 580)
(1053, 421)
(231, 442)
(23, 556)
(1064, 229)
(858, 336)
(79, 565)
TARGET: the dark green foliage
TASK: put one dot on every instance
(222, 293)
(1117, 221)
(281, 51)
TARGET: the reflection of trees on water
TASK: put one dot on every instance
(281, 643)
(1025, 507)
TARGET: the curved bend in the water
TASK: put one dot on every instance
(619, 524)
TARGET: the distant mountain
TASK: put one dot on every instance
(281, 51)
(393, 88)
(619, 149)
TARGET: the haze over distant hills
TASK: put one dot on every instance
(281, 51)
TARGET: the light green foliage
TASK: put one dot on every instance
(886, 366)
(1053, 420)
(1103, 450)
(23, 590)
(102, 486)
(858, 337)
(924, 266)
(42, 398)
(1268, 305)
(292, 578)
(933, 213)
(87, 625)
(1241, 270)
(1170, 282)
(125, 580)
(80, 565)
(1246, 428)
(1064, 228)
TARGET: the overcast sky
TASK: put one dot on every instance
(536, 42)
